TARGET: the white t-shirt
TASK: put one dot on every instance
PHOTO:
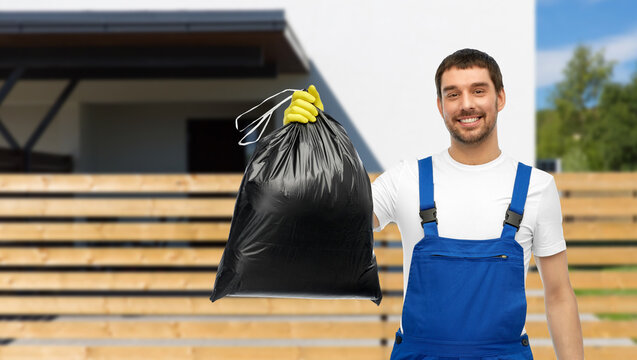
(471, 201)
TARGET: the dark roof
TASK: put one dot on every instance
(111, 44)
(22, 22)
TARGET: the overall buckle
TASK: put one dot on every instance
(512, 218)
(428, 215)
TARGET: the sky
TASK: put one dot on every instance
(561, 25)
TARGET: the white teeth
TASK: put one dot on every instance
(470, 120)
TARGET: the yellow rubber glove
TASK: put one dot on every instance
(303, 106)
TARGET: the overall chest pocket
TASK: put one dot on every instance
(452, 257)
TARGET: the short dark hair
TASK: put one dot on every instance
(466, 58)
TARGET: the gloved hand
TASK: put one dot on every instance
(303, 106)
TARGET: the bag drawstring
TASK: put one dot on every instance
(265, 118)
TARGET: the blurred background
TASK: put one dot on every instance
(120, 163)
(587, 84)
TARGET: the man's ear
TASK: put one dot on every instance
(501, 99)
(439, 103)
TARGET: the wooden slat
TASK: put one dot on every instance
(53, 183)
(19, 207)
(601, 206)
(596, 231)
(72, 352)
(132, 281)
(157, 329)
(135, 256)
(107, 280)
(590, 352)
(389, 281)
(612, 280)
(111, 256)
(580, 279)
(78, 352)
(600, 256)
(604, 181)
(243, 353)
(202, 231)
(591, 279)
(592, 304)
(98, 183)
(159, 305)
(389, 233)
(590, 329)
(211, 257)
(251, 329)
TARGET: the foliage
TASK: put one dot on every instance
(601, 292)
(617, 316)
(614, 135)
(592, 125)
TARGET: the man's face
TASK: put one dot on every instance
(469, 103)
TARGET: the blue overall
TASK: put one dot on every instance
(465, 299)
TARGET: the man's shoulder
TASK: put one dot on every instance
(400, 167)
(538, 178)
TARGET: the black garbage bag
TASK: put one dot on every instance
(302, 223)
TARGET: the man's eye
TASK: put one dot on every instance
(452, 95)
(479, 91)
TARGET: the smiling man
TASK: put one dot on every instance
(470, 218)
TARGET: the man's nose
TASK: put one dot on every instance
(467, 102)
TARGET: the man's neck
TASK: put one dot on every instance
(474, 155)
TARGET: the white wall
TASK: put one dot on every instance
(379, 58)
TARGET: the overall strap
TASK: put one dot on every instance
(427, 204)
(513, 215)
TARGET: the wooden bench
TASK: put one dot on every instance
(121, 266)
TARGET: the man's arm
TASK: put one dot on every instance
(561, 307)
(376, 222)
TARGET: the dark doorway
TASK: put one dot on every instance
(213, 146)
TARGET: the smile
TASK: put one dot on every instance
(469, 121)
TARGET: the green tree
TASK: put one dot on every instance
(613, 137)
(563, 131)
(550, 141)
(585, 76)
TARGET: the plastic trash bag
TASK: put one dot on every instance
(302, 223)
